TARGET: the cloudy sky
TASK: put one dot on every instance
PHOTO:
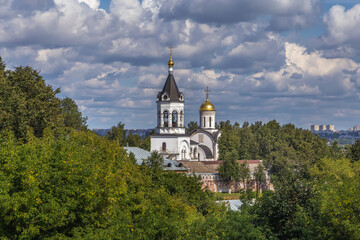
(289, 60)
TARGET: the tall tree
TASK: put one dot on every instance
(155, 161)
(117, 133)
(27, 102)
(71, 115)
(192, 125)
(260, 178)
(229, 168)
(244, 173)
(355, 151)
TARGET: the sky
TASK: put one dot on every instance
(289, 60)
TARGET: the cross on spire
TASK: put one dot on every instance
(171, 48)
(171, 63)
(207, 93)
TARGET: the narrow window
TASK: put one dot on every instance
(204, 122)
(209, 121)
(174, 118)
(166, 119)
(164, 146)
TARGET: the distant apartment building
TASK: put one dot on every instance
(314, 128)
(330, 128)
(323, 128)
(356, 128)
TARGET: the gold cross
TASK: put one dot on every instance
(171, 48)
(207, 93)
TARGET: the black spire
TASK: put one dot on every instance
(171, 89)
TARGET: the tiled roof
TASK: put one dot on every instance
(198, 167)
(212, 166)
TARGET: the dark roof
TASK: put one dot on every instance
(207, 151)
(198, 167)
(171, 89)
(212, 166)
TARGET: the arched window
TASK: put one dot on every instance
(164, 146)
(174, 119)
(204, 125)
(166, 119)
(183, 153)
(209, 121)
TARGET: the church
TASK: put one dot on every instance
(170, 138)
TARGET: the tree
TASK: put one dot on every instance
(244, 173)
(71, 115)
(335, 151)
(27, 102)
(229, 168)
(229, 140)
(80, 186)
(145, 143)
(117, 133)
(337, 189)
(133, 140)
(355, 151)
(155, 161)
(192, 125)
(260, 178)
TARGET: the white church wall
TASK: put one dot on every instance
(174, 146)
(209, 123)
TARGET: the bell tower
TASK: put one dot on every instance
(170, 105)
(170, 139)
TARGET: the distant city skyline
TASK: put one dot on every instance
(293, 61)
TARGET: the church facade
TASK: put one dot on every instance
(171, 139)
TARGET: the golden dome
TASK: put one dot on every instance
(207, 106)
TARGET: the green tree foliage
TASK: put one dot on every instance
(117, 133)
(28, 104)
(81, 186)
(260, 178)
(244, 173)
(192, 125)
(229, 140)
(71, 116)
(281, 147)
(155, 161)
(355, 151)
(145, 143)
(26, 101)
(337, 190)
(239, 225)
(229, 168)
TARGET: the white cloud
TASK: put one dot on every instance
(342, 25)
(114, 62)
(92, 3)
